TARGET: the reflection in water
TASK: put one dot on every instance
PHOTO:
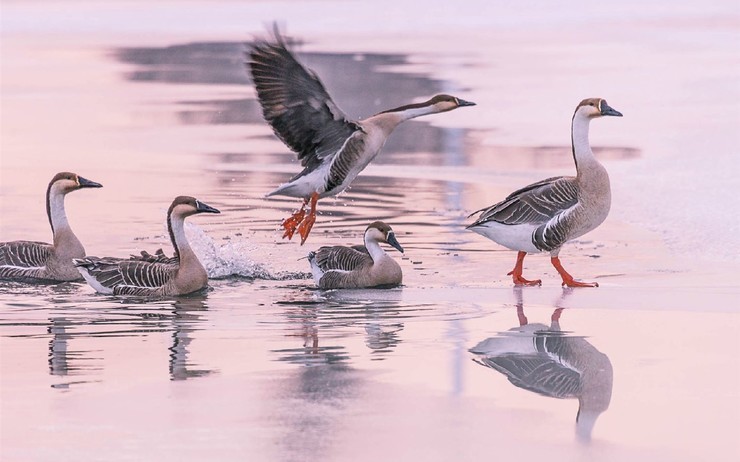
(64, 361)
(134, 320)
(545, 360)
(222, 63)
(186, 317)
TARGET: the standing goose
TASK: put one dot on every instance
(154, 275)
(332, 149)
(545, 215)
(359, 266)
(28, 260)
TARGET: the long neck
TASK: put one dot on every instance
(176, 227)
(388, 120)
(373, 247)
(55, 211)
(582, 154)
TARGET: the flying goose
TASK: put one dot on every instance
(28, 260)
(545, 215)
(359, 266)
(332, 149)
(153, 275)
(544, 360)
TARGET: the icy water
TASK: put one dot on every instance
(152, 101)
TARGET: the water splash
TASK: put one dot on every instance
(232, 258)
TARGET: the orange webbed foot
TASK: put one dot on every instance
(291, 223)
(573, 283)
(304, 229)
(520, 281)
(567, 278)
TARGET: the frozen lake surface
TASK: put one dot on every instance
(152, 101)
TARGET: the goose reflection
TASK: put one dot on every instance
(187, 316)
(545, 360)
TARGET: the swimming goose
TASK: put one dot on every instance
(153, 275)
(545, 360)
(28, 260)
(359, 266)
(332, 148)
(545, 215)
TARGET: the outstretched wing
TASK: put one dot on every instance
(537, 203)
(296, 104)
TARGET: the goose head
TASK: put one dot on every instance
(185, 206)
(595, 107)
(381, 232)
(66, 182)
(444, 103)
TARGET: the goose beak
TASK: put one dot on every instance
(391, 239)
(607, 110)
(85, 183)
(462, 102)
(205, 208)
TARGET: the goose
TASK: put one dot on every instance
(545, 215)
(544, 360)
(29, 260)
(153, 275)
(332, 149)
(359, 266)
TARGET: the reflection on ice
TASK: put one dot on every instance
(545, 360)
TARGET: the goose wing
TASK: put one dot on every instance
(25, 254)
(549, 204)
(297, 106)
(114, 273)
(537, 203)
(339, 258)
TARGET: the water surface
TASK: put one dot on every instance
(262, 365)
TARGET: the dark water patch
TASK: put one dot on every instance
(360, 83)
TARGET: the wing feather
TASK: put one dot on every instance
(537, 203)
(116, 272)
(25, 254)
(296, 104)
(340, 258)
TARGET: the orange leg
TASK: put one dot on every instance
(567, 278)
(291, 223)
(304, 228)
(516, 273)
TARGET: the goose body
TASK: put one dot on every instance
(153, 275)
(368, 265)
(545, 215)
(332, 149)
(40, 261)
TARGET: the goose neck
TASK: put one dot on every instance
(581, 147)
(56, 212)
(176, 227)
(374, 249)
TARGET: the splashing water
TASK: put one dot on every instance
(231, 259)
